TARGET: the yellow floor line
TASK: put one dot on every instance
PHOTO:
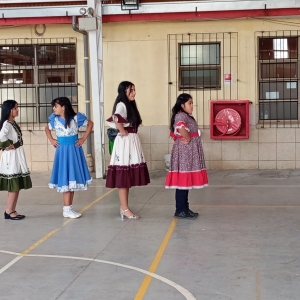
(39, 242)
(65, 223)
(257, 285)
(145, 284)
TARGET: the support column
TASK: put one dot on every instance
(96, 69)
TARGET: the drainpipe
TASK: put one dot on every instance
(87, 88)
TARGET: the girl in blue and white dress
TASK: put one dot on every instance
(70, 171)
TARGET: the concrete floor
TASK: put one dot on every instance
(244, 245)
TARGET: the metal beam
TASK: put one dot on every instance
(96, 68)
(35, 21)
(201, 6)
(33, 1)
(40, 11)
(194, 16)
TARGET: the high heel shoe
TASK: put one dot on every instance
(17, 217)
(123, 216)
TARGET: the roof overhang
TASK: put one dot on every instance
(186, 10)
(40, 11)
(32, 12)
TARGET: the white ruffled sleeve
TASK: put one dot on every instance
(180, 122)
(119, 116)
(4, 141)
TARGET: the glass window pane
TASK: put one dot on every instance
(56, 75)
(47, 94)
(279, 110)
(26, 115)
(21, 95)
(67, 54)
(16, 77)
(47, 54)
(278, 90)
(64, 54)
(207, 54)
(45, 112)
(200, 78)
(278, 48)
(280, 70)
(188, 55)
(16, 55)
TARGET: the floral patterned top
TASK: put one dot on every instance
(57, 123)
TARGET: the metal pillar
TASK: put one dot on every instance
(96, 68)
(87, 88)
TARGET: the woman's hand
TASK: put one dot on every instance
(184, 141)
(54, 142)
(123, 133)
(80, 142)
(185, 137)
(10, 147)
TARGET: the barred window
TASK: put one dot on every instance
(200, 66)
(34, 72)
(278, 78)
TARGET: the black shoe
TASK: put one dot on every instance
(17, 217)
(193, 213)
(20, 216)
(184, 215)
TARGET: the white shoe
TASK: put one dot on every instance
(76, 213)
(69, 213)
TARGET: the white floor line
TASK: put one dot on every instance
(176, 286)
(212, 186)
(10, 263)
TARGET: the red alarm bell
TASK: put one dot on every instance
(228, 121)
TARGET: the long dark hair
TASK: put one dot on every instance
(69, 111)
(7, 106)
(181, 99)
(133, 115)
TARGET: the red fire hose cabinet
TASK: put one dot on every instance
(229, 119)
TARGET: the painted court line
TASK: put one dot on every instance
(244, 206)
(146, 282)
(24, 253)
(176, 286)
(211, 186)
(257, 285)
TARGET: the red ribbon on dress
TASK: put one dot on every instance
(175, 137)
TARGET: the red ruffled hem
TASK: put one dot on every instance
(186, 180)
(127, 176)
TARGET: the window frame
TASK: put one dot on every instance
(274, 104)
(36, 105)
(199, 67)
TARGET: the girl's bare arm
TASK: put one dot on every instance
(121, 129)
(50, 137)
(185, 135)
(86, 134)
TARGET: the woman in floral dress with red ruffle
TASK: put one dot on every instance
(187, 166)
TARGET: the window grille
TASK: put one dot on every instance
(278, 78)
(199, 66)
(34, 72)
(204, 65)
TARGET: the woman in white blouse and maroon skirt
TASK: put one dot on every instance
(127, 166)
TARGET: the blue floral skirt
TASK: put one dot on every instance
(70, 171)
